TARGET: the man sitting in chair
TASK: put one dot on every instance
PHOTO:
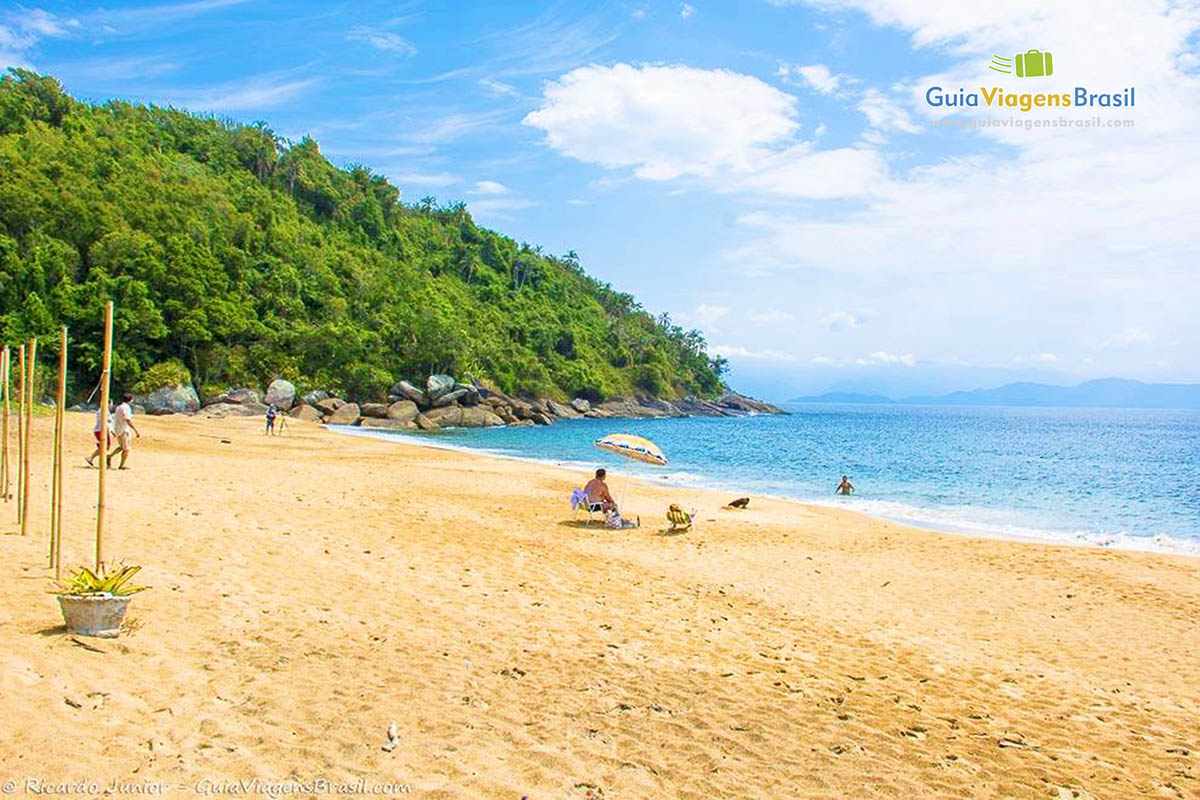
(598, 496)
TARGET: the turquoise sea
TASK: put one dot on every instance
(1108, 477)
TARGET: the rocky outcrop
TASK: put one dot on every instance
(581, 405)
(425, 423)
(747, 405)
(346, 414)
(459, 417)
(560, 410)
(406, 391)
(376, 410)
(314, 397)
(329, 405)
(306, 413)
(449, 398)
(235, 409)
(281, 394)
(236, 397)
(170, 400)
(403, 411)
(438, 385)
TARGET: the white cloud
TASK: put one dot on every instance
(885, 114)
(499, 88)
(1129, 337)
(881, 357)
(639, 13)
(382, 40)
(705, 315)
(819, 78)
(686, 11)
(247, 94)
(664, 121)
(489, 187)
(841, 321)
(733, 131)
(735, 351)
(769, 317)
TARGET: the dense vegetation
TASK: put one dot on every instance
(244, 257)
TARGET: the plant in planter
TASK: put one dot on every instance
(94, 603)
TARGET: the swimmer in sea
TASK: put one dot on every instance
(845, 487)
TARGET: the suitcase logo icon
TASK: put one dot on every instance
(1030, 64)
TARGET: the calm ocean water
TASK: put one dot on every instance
(1111, 477)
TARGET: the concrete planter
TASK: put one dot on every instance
(94, 615)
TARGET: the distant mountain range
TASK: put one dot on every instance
(1104, 393)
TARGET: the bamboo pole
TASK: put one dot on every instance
(105, 376)
(6, 387)
(20, 432)
(28, 429)
(56, 469)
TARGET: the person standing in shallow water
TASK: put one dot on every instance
(845, 487)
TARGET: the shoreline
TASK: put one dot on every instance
(1123, 542)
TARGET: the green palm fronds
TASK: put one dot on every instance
(111, 581)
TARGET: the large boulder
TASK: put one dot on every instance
(541, 419)
(581, 405)
(425, 423)
(403, 411)
(746, 405)
(237, 397)
(170, 400)
(450, 398)
(346, 414)
(387, 424)
(376, 410)
(405, 389)
(281, 394)
(235, 409)
(469, 417)
(479, 417)
(471, 395)
(438, 385)
(564, 411)
(314, 397)
(306, 413)
(330, 405)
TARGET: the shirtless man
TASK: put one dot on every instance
(845, 487)
(598, 495)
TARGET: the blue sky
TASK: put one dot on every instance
(766, 171)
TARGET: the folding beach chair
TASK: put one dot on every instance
(579, 501)
(680, 520)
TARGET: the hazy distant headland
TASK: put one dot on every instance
(1103, 393)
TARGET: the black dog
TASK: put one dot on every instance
(741, 502)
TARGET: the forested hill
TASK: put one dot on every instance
(245, 257)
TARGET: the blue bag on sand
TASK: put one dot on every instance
(1034, 64)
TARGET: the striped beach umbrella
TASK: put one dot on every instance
(635, 447)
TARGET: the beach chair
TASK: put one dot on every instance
(680, 520)
(579, 501)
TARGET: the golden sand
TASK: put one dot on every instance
(311, 589)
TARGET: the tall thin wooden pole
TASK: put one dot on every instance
(56, 474)
(104, 386)
(58, 511)
(6, 387)
(20, 433)
(28, 429)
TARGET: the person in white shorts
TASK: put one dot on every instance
(122, 428)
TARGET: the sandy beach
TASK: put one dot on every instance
(310, 589)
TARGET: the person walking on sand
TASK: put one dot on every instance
(122, 427)
(271, 414)
(100, 446)
(845, 487)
